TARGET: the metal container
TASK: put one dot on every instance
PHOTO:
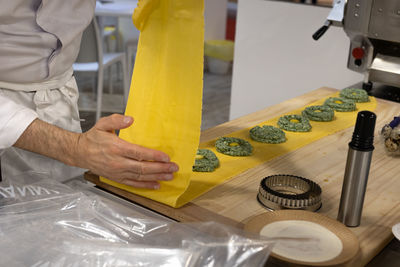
(354, 187)
(357, 170)
(283, 191)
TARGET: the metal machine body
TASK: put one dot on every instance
(373, 27)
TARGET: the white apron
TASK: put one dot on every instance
(56, 106)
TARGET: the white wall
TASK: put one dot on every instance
(215, 14)
(277, 59)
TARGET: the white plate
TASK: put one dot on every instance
(314, 227)
(396, 230)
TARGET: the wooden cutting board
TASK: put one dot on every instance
(234, 202)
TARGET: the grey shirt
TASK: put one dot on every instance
(40, 39)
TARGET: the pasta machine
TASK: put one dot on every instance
(373, 27)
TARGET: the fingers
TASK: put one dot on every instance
(114, 122)
(147, 167)
(150, 181)
(140, 153)
(148, 185)
(145, 174)
(126, 163)
(153, 177)
(147, 171)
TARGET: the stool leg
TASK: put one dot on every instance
(129, 60)
(110, 86)
(99, 93)
(125, 84)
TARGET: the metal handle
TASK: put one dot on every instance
(321, 31)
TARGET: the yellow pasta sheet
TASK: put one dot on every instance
(165, 98)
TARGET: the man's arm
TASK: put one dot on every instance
(101, 151)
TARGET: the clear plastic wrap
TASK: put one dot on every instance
(45, 223)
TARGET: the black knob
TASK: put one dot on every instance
(363, 135)
(320, 32)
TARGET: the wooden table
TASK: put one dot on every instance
(234, 202)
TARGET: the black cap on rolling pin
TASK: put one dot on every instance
(363, 135)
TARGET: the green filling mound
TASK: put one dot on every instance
(232, 146)
(340, 104)
(294, 123)
(207, 162)
(267, 134)
(319, 113)
(358, 95)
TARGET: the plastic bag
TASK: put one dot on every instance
(44, 223)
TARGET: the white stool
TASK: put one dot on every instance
(130, 51)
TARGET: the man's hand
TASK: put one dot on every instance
(101, 151)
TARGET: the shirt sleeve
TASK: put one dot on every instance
(14, 119)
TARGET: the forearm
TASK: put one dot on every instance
(101, 151)
(51, 141)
